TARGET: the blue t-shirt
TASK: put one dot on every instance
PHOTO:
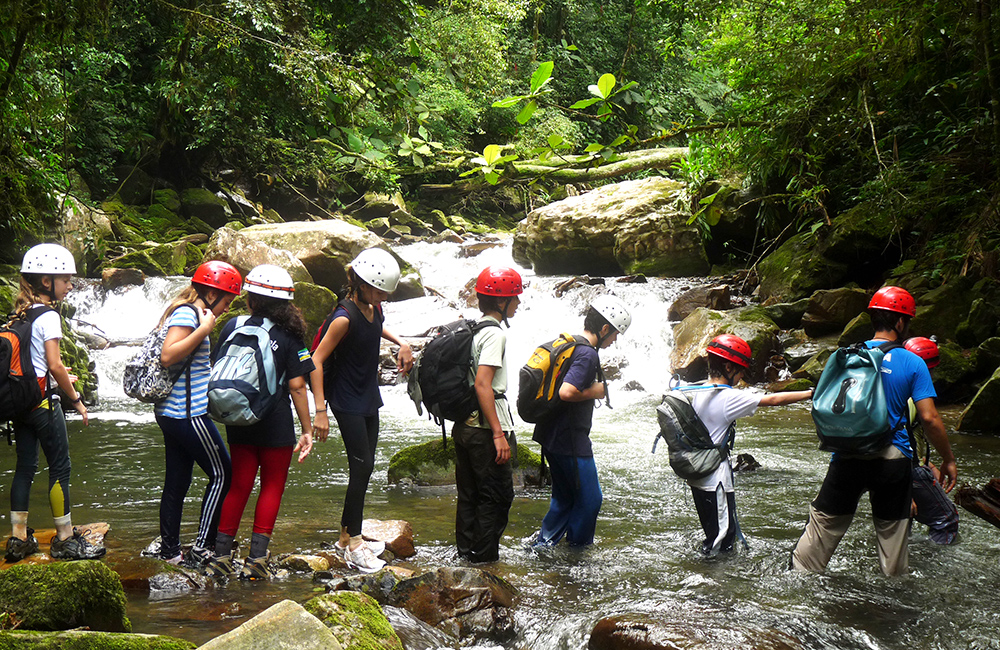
(568, 432)
(904, 376)
(175, 406)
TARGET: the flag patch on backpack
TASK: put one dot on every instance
(849, 406)
(693, 454)
(20, 391)
(543, 374)
(440, 378)
(243, 386)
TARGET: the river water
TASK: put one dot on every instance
(645, 557)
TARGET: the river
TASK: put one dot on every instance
(645, 557)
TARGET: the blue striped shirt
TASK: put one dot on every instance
(175, 406)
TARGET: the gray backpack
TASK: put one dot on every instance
(145, 378)
(693, 453)
(244, 386)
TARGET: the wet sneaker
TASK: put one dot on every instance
(76, 547)
(220, 566)
(175, 560)
(256, 568)
(377, 548)
(18, 549)
(363, 560)
(198, 557)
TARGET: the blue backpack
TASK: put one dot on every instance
(244, 386)
(849, 406)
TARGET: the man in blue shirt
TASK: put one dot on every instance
(565, 437)
(885, 475)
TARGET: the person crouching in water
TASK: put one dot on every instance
(46, 277)
(729, 358)
(483, 442)
(267, 445)
(931, 505)
(346, 376)
(189, 436)
(565, 437)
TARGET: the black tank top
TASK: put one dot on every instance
(350, 375)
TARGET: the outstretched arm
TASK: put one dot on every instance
(780, 399)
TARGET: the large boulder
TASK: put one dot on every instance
(77, 639)
(464, 602)
(315, 303)
(981, 413)
(830, 310)
(694, 333)
(953, 375)
(713, 297)
(87, 233)
(285, 626)
(203, 204)
(177, 258)
(624, 228)
(324, 247)
(941, 310)
(247, 252)
(63, 596)
(432, 463)
(356, 619)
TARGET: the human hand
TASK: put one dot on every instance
(404, 358)
(81, 408)
(304, 446)
(503, 449)
(206, 318)
(321, 425)
(949, 475)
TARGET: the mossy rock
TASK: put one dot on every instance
(238, 307)
(82, 640)
(177, 258)
(787, 315)
(63, 596)
(981, 413)
(8, 294)
(987, 356)
(813, 368)
(77, 360)
(942, 310)
(952, 375)
(169, 199)
(205, 205)
(316, 303)
(432, 464)
(356, 619)
(858, 330)
(796, 269)
(981, 323)
(693, 334)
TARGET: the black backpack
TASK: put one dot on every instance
(19, 389)
(440, 378)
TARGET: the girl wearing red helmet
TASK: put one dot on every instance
(483, 442)
(189, 436)
(719, 405)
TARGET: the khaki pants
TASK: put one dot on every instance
(886, 476)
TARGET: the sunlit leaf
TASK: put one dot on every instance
(555, 140)
(593, 146)
(491, 153)
(355, 143)
(507, 102)
(606, 84)
(526, 112)
(541, 76)
(492, 178)
(584, 103)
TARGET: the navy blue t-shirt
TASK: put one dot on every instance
(292, 358)
(350, 376)
(568, 432)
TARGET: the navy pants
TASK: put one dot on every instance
(360, 435)
(576, 500)
(46, 429)
(934, 508)
(186, 442)
(485, 493)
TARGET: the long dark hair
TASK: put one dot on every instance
(281, 312)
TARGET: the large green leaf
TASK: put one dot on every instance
(491, 153)
(526, 112)
(541, 76)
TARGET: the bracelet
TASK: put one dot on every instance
(79, 398)
(502, 435)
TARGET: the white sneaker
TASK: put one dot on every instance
(377, 548)
(341, 551)
(363, 560)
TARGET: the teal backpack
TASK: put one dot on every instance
(849, 406)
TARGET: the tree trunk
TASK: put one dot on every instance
(575, 172)
(15, 58)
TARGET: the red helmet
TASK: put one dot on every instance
(218, 275)
(731, 348)
(499, 281)
(924, 348)
(894, 299)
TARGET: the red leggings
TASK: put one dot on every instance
(273, 463)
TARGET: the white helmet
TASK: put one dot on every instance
(614, 311)
(270, 280)
(378, 268)
(50, 259)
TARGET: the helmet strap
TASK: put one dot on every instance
(211, 305)
(503, 310)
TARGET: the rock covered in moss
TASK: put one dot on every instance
(80, 640)
(431, 463)
(87, 233)
(953, 375)
(619, 229)
(77, 360)
(787, 315)
(693, 334)
(64, 595)
(284, 626)
(356, 619)
(316, 303)
(205, 205)
(981, 413)
(858, 330)
(830, 310)
(176, 258)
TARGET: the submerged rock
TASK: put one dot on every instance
(285, 626)
(431, 463)
(64, 595)
(356, 619)
(651, 632)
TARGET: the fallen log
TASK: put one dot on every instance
(984, 503)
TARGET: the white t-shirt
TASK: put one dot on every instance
(489, 349)
(46, 327)
(718, 409)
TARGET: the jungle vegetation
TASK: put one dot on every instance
(820, 105)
